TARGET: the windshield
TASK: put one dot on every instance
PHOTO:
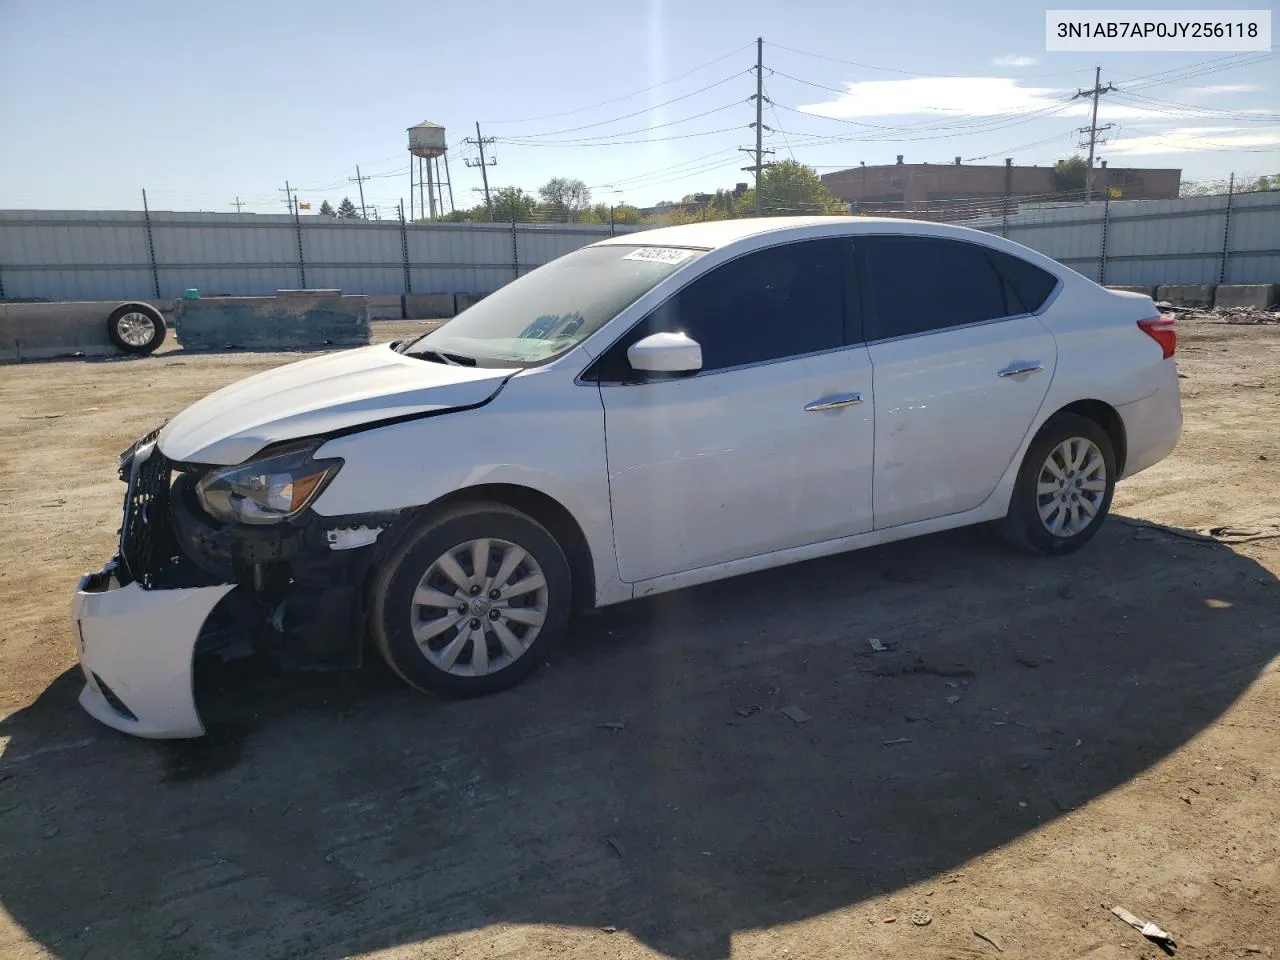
(552, 309)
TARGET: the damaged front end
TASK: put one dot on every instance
(185, 584)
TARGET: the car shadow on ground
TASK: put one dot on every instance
(659, 777)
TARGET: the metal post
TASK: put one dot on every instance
(404, 243)
(449, 177)
(422, 207)
(611, 230)
(759, 117)
(151, 246)
(1, 284)
(1008, 188)
(410, 187)
(302, 264)
(515, 247)
(1106, 223)
(1226, 231)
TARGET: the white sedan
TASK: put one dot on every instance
(653, 411)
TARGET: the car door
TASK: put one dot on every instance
(769, 446)
(960, 370)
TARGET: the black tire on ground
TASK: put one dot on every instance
(1023, 525)
(392, 608)
(127, 328)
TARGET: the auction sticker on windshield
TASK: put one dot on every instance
(660, 254)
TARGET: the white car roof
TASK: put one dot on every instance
(721, 233)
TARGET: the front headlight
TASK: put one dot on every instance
(268, 490)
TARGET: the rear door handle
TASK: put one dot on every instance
(1019, 369)
(835, 402)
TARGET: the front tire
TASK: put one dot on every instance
(1064, 487)
(471, 601)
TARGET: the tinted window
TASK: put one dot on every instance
(920, 284)
(781, 302)
(1029, 285)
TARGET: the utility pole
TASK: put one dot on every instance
(360, 180)
(238, 203)
(1092, 130)
(288, 195)
(759, 152)
(483, 164)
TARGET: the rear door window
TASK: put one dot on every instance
(919, 284)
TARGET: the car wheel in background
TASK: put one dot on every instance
(1064, 487)
(472, 600)
(136, 328)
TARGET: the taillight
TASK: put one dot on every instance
(1161, 330)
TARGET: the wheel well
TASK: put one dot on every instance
(552, 515)
(1108, 418)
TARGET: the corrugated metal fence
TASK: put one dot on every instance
(74, 255)
(1224, 239)
(111, 255)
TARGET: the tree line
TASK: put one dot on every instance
(787, 188)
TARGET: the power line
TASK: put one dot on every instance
(622, 143)
(628, 116)
(628, 133)
(628, 96)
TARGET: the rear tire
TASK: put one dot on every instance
(443, 625)
(136, 328)
(1064, 487)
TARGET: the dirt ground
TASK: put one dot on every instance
(1044, 739)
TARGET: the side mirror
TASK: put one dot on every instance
(665, 353)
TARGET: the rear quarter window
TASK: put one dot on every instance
(1029, 284)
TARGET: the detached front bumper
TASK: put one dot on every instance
(136, 648)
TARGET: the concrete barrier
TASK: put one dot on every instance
(428, 306)
(291, 319)
(1187, 294)
(1260, 295)
(389, 307)
(463, 300)
(1129, 288)
(68, 328)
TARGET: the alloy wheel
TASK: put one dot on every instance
(1071, 487)
(479, 607)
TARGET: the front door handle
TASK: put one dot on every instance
(833, 403)
(1020, 369)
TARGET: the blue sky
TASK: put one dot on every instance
(201, 103)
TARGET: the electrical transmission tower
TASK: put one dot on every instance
(1092, 130)
(759, 166)
(482, 163)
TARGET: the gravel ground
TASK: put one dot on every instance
(1042, 739)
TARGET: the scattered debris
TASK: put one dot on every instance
(952, 878)
(921, 919)
(1148, 930)
(609, 928)
(877, 646)
(748, 711)
(57, 502)
(612, 725)
(51, 833)
(916, 718)
(889, 920)
(990, 939)
(1022, 804)
(1222, 534)
(796, 714)
(896, 741)
(920, 665)
(1235, 315)
(954, 698)
(616, 846)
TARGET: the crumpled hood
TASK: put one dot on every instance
(318, 395)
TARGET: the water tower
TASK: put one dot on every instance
(427, 143)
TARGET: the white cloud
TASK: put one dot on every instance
(957, 96)
(1228, 88)
(1014, 60)
(1195, 140)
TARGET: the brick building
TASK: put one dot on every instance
(924, 186)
